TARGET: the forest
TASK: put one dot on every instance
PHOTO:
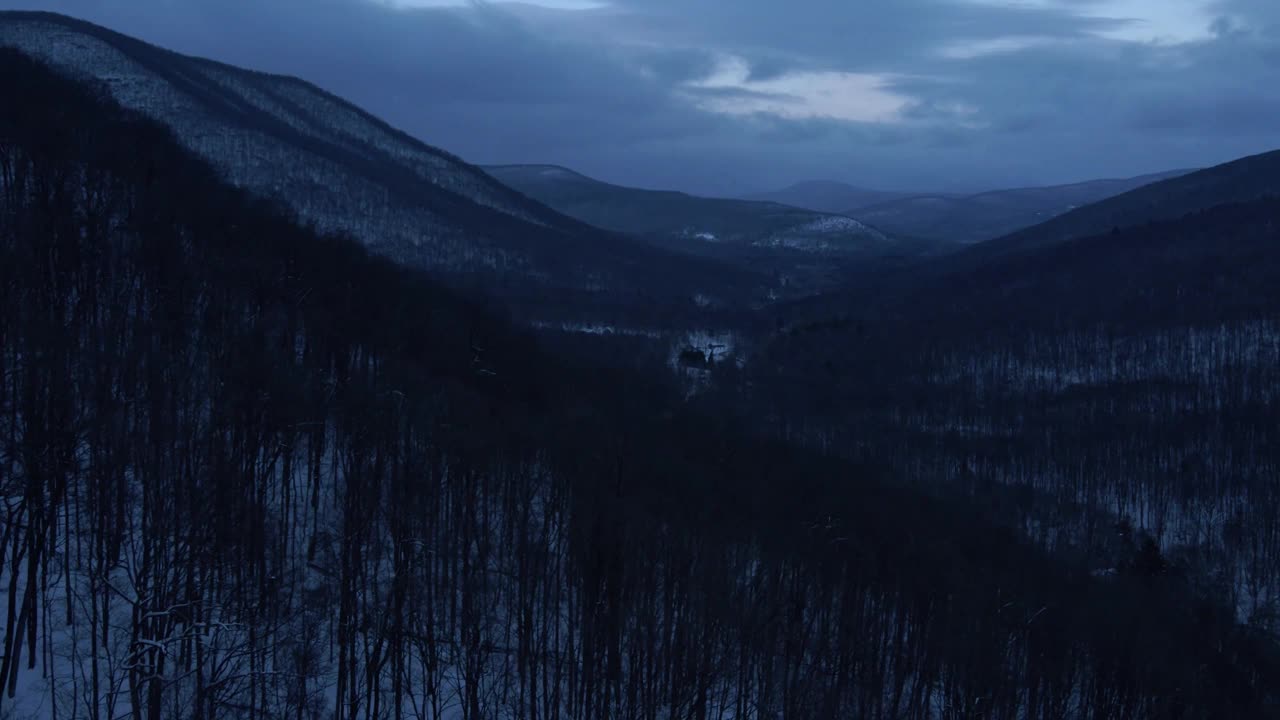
(338, 168)
(251, 469)
(1129, 377)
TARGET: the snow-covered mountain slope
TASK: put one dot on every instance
(340, 168)
(676, 215)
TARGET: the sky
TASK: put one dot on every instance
(733, 96)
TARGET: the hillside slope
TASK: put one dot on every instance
(987, 215)
(1125, 379)
(1241, 180)
(692, 220)
(827, 196)
(344, 170)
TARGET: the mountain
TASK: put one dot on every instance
(687, 220)
(827, 196)
(987, 215)
(342, 169)
(1214, 265)
(1242, 180)
(1108, 386)
(251, 469)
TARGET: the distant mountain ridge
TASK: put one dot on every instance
(690, 219)
(1239, 181)
(1229, 190)
(828, 196)
(983, 216)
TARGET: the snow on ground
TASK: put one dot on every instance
(596, 329)
(824, 234)
(835, 224)
(697, 234)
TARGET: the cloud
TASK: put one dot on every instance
(732, 95)
(736, 88)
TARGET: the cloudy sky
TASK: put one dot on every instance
(727, 96)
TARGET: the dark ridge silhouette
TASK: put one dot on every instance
(967, 219)
(828, 196)
(1241, 180)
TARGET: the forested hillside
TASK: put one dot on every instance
(251, 470)
(683, 220)
(1126, 380)
(793, 252)
(343, 170)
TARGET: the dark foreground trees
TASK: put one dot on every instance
(251, 471)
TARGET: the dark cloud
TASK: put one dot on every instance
(675, 66)
(866, 35)
(640, 91)
(771, 67)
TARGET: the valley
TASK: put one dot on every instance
(303, 417)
